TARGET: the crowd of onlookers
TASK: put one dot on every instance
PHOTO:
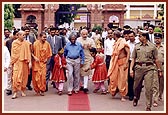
(74, 56)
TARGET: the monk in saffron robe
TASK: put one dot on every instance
(41, 52)
(119, 66)
(20, 58)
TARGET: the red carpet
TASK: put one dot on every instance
(78, 102)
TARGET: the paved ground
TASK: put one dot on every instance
(53, 103)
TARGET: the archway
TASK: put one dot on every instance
(31, 21)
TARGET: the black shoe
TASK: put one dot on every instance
(148, 109)
(9, 92)
(29, 87)
(131, 98)
(53, 83)
(135, 102)
(46, 88)
(85, 90)
(81, 88)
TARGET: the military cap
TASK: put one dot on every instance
(126, 27)
(158, 35)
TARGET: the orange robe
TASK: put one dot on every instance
(42, 52)
(100, 72)
(118, 77)
(58, 72)
(20, 58)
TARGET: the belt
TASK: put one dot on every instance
(144, 63)
(73, 57)
(53, 54)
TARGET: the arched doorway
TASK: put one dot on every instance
(31, 21)
(113, 22)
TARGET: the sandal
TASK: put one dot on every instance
(14, 96)
(95, 90)
(70, 93)
(103, 92)
(42, 93)
(155, 104)
(59, 92)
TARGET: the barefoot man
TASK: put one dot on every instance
(119, 66)
(20, 59)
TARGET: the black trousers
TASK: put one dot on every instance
(130, 83)
(108, 58)
(29, 79)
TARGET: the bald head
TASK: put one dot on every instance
(84, 33)
(21, 35)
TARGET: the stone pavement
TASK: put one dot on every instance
(92, 102)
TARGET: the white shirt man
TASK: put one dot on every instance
(108, 43)
(104, 34)
(132, 43)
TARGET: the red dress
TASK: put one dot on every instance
(100, 72)
(58, 71)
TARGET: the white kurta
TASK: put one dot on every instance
(6, 65)
(86, 43)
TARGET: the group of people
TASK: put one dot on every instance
(123, 58)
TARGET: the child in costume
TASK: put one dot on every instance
(100, 72)
(58, 73)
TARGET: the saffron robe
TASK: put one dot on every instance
(20, 58)
(116, 72)
(42, 51)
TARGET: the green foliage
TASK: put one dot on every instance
(8, 16)
(99, 28)
(157, 30)
(67, 18)
(162, 9)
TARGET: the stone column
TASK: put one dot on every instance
(128, 12)
(155, 11)
(49, 14)
(96, 14)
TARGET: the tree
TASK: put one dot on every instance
(66, 17)
(162, 9)
(8, 16)
(99, 28)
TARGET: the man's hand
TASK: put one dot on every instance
(125, 66)
(131, 73)
(160, 73)
(81, 65)
(36, 59)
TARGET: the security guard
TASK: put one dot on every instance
(160, 47)
(144, 62)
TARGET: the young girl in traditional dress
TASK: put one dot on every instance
(100, 72)
(58, 73)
